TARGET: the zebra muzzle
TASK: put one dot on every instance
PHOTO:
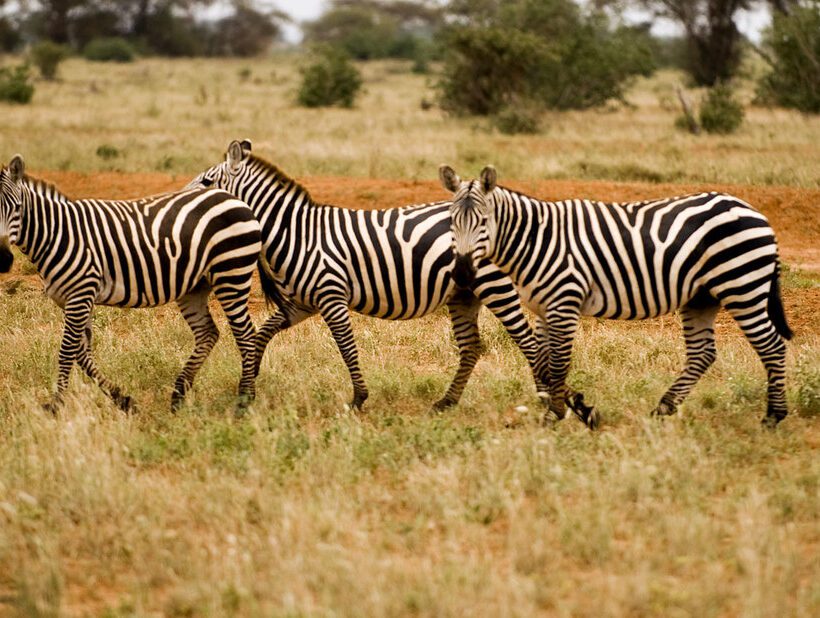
(6, 258)
(464, 270)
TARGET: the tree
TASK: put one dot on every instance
(713, 40)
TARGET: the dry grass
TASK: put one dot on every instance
(305, 509)
(173, 116)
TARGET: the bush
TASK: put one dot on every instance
(330, 80)
(112, 49)
(720, 112)
(546, 51)
(518, 119)
(794, 44)
(46, 56)
(14, 84)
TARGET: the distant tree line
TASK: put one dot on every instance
(162, 27)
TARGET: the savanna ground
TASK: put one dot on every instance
(303, 508)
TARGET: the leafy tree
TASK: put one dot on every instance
(794, 44)
(713, 41)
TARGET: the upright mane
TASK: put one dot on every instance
(43, 187)
(272, 169)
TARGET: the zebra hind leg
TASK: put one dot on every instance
(274, 325)
(86, 361)
(771, 348)
(699, 335)
(337, 316)
(194, 308)
(233, 296)
(464, 316)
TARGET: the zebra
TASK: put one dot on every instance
(140, 253)
(393, 264)
(694, 254)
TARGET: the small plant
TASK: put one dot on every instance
(112, 49)
(106, 152)
(330, 80)
(244, 74)
(720, 112)
(14, 84)
(517, 119)
(47, 56)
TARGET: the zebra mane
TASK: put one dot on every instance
(43, 187)
(281, 176)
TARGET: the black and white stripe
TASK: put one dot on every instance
(143, 253)
(394, 264)
(692, 254)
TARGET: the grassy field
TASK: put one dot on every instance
(303, 508)
(173, 117)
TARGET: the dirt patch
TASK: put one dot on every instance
(793, 212)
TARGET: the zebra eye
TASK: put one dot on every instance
(207, 182)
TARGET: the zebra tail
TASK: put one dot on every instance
(775, 308)
(269, 288)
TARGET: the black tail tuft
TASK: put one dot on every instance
(775, 308)
(272, 295)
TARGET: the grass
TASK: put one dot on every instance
(181, 114)
(303, 508)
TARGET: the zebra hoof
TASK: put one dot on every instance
(664, 409)
(550, 419)
(770, 422)
(443, 404)
(588, 415)
(51, 407)
(126, 404)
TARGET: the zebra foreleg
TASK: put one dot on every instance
(337, 317)
(77, 315)
(234, 301)
(464, 316)
(699, 335)
(194, 308)
(85, 359)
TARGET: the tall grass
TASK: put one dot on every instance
(303, 508)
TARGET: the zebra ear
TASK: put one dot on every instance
(449, 178)
(246, 144)
(235, 155)
(489, 178)
(17, 168)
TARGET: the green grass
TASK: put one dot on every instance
(180, 115)
(303, 508)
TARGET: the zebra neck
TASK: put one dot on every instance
(41, 215)
(523, 227)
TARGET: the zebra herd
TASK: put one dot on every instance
(487, 246)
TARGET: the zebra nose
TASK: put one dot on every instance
(464, 270)
(6, 258)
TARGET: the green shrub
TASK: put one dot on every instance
(330, 80)
(518, 119)
(794, 44)
(46, 56)
(113, 49)
(720, 112)
(14, 84)
(546, 51)
(106, 152)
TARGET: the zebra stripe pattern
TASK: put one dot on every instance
(692, 254)
(394, 264)
(143, 253)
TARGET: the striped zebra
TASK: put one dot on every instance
(142, 253)
(394, 264)
(694, 254)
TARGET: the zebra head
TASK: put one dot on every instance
(225, 175)
(11, 200)
(471, 219)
